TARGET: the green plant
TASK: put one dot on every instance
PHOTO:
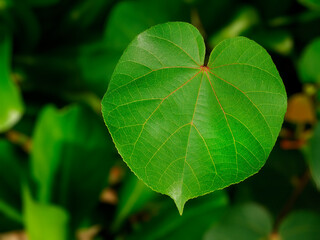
(61, 177)
(187, 128)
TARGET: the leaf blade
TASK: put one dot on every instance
(156, 109)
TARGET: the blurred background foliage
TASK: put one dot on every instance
(60, 175)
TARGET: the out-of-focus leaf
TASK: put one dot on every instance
(299, 119)
(71, 158)
(97, 63)
(309, 70)
(272, 8)
(245, 222)
(278, 41)
(130, 18)
(5, 4)
(215, 14)
(69, 71)
(97, 60)
(10, 188)
(51, 74)
(11, 106)
(312, 4)
(85, 13)
(196, 220)
(27, 28)
(126, 20)
(45, 155)
(313, 155)
(89, 233)
(282, 166)
(304, 27)
(300, 225)
(44, 220)
(42, 3)
(182, 159)
(10, 212)
(244, 19)
(300, 110)
(8, 224)
(133, 196)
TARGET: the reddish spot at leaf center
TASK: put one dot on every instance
(204, 68)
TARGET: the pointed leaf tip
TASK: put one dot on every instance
(180, 205)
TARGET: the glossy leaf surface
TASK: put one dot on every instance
(187, 129)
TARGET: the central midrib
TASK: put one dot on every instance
(204, 71)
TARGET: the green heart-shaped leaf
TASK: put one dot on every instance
(187, 129)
